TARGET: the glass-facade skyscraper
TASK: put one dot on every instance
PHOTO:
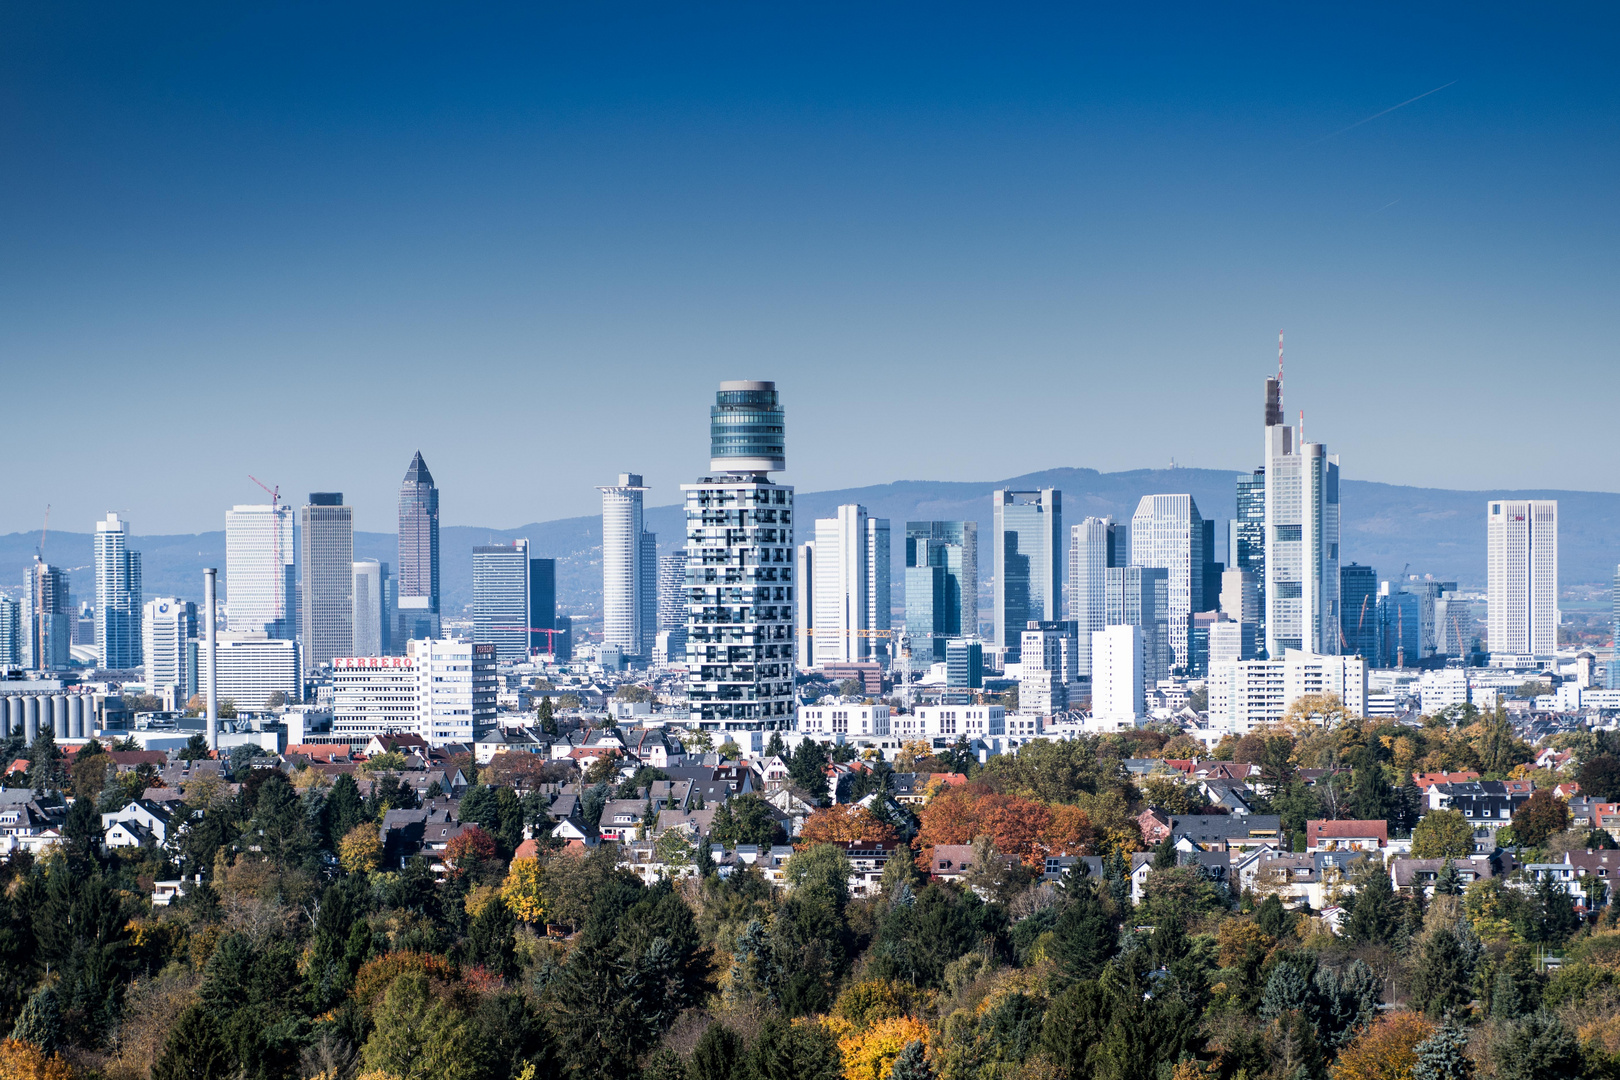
(543, 606)
(1028, 528)
(501, 599)
(1168, 531)
(1096, 545)
(327, 600)
(1301, 593)
(261, 571)
(1248, 539)
(47, 617)
(417, 612)
(118, 596)
(1140, 596)
(942, 586)
(1358, 587)
(629, 570)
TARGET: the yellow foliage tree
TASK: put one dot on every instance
(869, 1052)
(25, 1061)
(521, 891)
(1385, 1051)
(361, 849)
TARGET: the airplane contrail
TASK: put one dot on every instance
(1386, 112)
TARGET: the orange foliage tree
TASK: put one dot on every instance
(1028, 829)
(469, 849)
(846, 823)
(25, 1061)
(1385, 1051)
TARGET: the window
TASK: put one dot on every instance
(1290, 533)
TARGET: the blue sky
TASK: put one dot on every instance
(967, 241)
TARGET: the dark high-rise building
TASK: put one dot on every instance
(1249, 536)
(942, 586)
(1213, 569)
(417, 613)
(501, 594)
(327, 598)
(1028, 562)
(1359, 621)
(46, 618)
(542, 604)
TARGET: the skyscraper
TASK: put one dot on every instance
(1095, 545)
(261, 581)
(169, 642)
(1028, 528)
(1522, 576)
(1248, 537)
(628, 584)
(672, 605)
(1358, 590)
(543, 606)
(740, 557)
(11, 635)
(118, 596)
(851, 587)
(942, 586)
(47, 617)
(879, 595)
(417, 612)
(373, 614)
(327, 599)
(1167, 531)
(1139, 596)
(1302, 537)
(501, 599)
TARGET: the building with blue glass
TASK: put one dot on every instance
(1028, 563)
(942, 586)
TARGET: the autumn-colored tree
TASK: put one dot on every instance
(522, 893)
(1443, 834)
(1028, 829)
(1385, 1051)
(521, 770)
(25, 1061)
(846, 823)
(361, 849)
(869, 1051)
(469, 849)
(1542, 815)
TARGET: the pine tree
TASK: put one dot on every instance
(911, 1064)
(1441, 1057)
(1286, 990)
(1448, 882)
(718, 1054)
(1083, 938)
(546, 717)
(194, 1049)
(40, 1021)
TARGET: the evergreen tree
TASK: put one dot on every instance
(787, 1051)
(1441, 1057)
(40, 1021)
(808, 768)
(776, 747)
(1117, 872)
(491, 938)
(718, 1054)
(1165, 856)
(1083, 939)
(194, 1049)
(912, 1064)
(546, 717)
(1287, 990)
(1552, 917)
(1538, 1047)
(1448, 882)
(1373, 918)
(665, 1065)
(1443, 975)
(1271, 917)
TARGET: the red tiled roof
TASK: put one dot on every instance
(1425, 780)
(1347, 830)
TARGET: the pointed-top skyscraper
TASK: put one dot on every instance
(418, 609)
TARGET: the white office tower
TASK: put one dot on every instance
(1028, 556)
(1047, 681)
(1095, 545)
(625, 580)
(440, 690)
(261, 584)
(1167, 531)
(371, 614)
(1231, 640)
(1240, 596)
(169, 645)
(1522, 577)
(118, 596)
(1138, 596)
(252, 666)
(740, 556)
(1247, 694)
(1118, 693)
(670, 647)
(501, 599)
(851, 590)
(1301, 537)
(804, 625)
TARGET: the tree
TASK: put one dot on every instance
(788, 1051)
(490, 938)
(275, 700)
(469, 850)
(545, 716)
(1385, 1051)
(1442, 978)
(361, 849)
(1599, 776)
(1084, 937)
(343, 808)
(419, 1036)
(912, 1064)
(1443, 834)
(808, 769)
(1441, 1057)
(746, 819)
(40, 1022)
(522, 892)
(194, 1049)
(25, 1061)
(847, 822)
(718, 1054)
(1551, 915)
(1373, 917)
(1538, 1047)
(1541, 816)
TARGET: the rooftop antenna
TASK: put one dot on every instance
(1279, 365)
(1302, 428)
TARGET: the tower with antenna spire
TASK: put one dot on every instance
(1300, 585)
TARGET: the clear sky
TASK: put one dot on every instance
(304, 240)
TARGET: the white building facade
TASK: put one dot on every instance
(440, 690)
(1301, 537)
(169, 646)
(252, 666)
(261, 584)
(629, 586)
(1167, 531)
(1522, 576)
(1118, 696)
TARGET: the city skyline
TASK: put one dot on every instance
(633, 211)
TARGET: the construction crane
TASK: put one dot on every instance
(277, 574)
(551, 635)
(39, 552)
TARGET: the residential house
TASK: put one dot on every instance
(1224, 832)
(1346, 835)
(142, 823)
(622, 819)
(950, 862)
(1412, 876)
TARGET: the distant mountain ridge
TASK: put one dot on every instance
(1435, 530)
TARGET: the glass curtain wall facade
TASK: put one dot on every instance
(118, 596)
(261, 571)
(417, 608)
(327, 603)
(1167, 531)
(1358, 587)
(1028, 529)
(501, 599)
(1140, 596)
(942, 586)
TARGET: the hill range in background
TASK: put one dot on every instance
(1386, 526)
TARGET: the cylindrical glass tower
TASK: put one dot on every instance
(747, 433)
